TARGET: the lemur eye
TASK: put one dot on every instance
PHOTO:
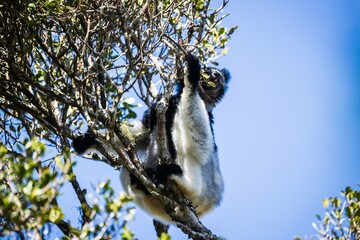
(216, 75)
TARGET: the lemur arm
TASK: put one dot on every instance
(193, 118)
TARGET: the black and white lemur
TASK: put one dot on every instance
(189, 128)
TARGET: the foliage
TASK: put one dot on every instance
(69, 64)
(28, 198)
(110, 216)
(342, 217)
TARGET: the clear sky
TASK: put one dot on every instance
(288, 130)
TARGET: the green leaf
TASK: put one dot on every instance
(212, 18)
(127, 234)
(221, 31)
(32, 6)
(50, 4)
(28, 188)
(211, 84)
(55, 214)
(3, 151)
(164, 236)
(205, 76)
(208, 46)
(200, 5)
(326, 203)
(232, 30)
(225, 51)
(131, 114)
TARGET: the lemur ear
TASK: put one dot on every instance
(226, 75)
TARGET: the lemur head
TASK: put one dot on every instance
(213, 85)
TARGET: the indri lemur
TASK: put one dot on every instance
(195, 162)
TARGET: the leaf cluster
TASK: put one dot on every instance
(341, 220)
(28, 192)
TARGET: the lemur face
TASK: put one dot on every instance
(213, 85)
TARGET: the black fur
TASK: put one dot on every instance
(159, 176)
(193, 70)
(170, 115)
(227, 77)
(138, 185)
(84, 142)
(149, 119)
(164, 171)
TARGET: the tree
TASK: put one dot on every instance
(342, 217)
(66, 64)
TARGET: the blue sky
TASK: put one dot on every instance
(288, 130)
